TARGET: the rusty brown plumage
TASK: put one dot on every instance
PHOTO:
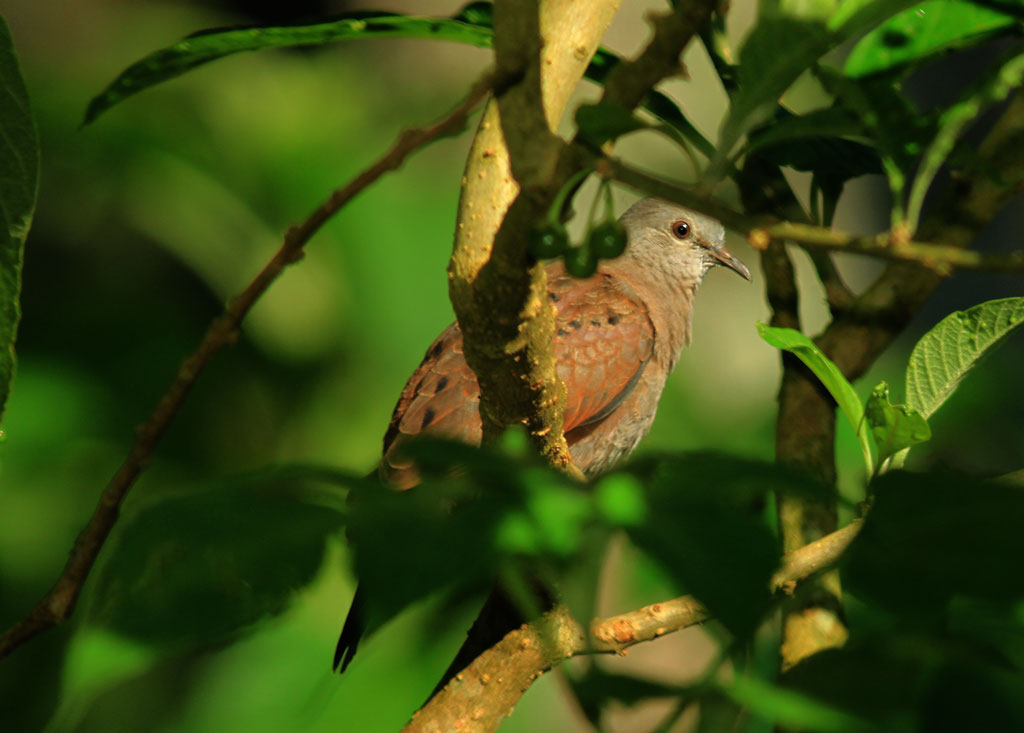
(618, 335)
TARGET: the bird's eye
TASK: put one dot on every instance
(681, 229)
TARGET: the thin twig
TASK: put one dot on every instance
(57, 606)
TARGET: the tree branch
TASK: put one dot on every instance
(497, 292)
(58, 605)
(484, 694)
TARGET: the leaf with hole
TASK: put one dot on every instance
(922, 32)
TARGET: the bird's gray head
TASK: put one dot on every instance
(677, 243)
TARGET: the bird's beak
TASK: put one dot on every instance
(722, 256)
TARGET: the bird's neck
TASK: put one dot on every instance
(669, 303)
(672, 314)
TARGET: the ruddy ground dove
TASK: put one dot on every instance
(619, 334)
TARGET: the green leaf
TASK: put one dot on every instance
(837, 385)
(922, 32)
(944, 355)
(764, 73)
(814, 142)
(204, 566)
(997, 84)
(832, 121)
(788, 708)
(206, 46)
(703, 506)
(667, 112)
(471, 25)
(604, 121)
(19, 183)
(889, 119)
(474, 510)
(877, 678)
(931, 537)
(894, 427)
(620, 500)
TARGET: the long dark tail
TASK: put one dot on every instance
(351, 633)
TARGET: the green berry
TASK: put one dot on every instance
(580, 261)
(607, 240)
(548, 242)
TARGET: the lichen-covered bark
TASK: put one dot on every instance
(498, 294)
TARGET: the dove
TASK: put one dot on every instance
(619, 334)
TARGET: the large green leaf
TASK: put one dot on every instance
(816, 143)
(913, 680)
(944, 355)
(474, 511)
(930, 538)
(921, 32)
(204, 566)
(19, 181)
(206, 46)
(704, 525)
(471, 25)
(837, 385)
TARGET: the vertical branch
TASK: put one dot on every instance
(498, 294)
(853, 340)
(811, 622)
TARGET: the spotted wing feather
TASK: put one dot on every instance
(603, 341)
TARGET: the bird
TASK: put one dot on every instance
(619, 333)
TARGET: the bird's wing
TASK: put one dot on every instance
(603, 341)
(440, 399)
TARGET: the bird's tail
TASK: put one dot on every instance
(351, 633)
(499, 616)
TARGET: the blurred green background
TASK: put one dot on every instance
(152, 217)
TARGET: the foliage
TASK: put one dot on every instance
(194, 575)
